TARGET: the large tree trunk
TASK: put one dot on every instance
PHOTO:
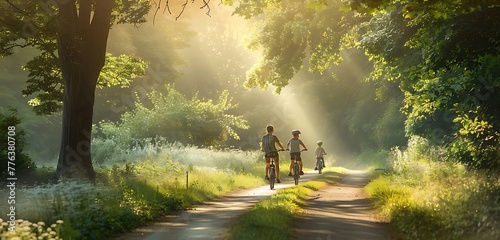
(82, 40)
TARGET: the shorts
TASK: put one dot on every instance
(295, 156)
(270, 155)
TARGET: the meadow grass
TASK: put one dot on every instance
(130, 191)
(272, 218)
(427, 199)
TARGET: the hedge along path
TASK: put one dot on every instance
(342, 212)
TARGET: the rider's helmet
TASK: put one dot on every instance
(295, 132)
(319, 143)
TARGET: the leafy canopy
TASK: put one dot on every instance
(33, 24)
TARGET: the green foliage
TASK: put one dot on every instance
(291, 31)
(175, 118)
(45, 78)
(427, 199)
(119, 71)
(130, 11)
(439, 63)
(438, 52)
(35, 24)
(12, 145)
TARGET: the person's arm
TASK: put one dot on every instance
(288, 145)
(279, 143)
(304, 146)
(281, 146)
(262, 144)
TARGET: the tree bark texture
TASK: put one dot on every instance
(82, 39)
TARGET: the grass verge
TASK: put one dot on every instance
(126, 195)
(427, 199)
(272, 218)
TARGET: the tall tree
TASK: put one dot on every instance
(71, 36)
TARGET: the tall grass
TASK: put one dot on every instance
(132, 189)
(429, 199)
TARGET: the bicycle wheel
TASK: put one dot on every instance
(296, 173)
(272, 177)
(320, 167)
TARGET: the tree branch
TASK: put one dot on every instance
(157, 8)
(167, 7)
(16, 7)
(207, 6)
(183, 8)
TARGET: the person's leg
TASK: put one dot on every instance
(299, 160)
(268, 164)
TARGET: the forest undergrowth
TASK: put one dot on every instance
(425, 197)
(131, 190)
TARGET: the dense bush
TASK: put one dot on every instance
(175, 118)
(11, 146)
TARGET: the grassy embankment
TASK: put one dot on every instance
(427, 198)
(272, 218)
(131, 190)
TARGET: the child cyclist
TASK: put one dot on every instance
(268, 145)
(294, 146)
(319, 152)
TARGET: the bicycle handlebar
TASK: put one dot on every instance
(305, 149)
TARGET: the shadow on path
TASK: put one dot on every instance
(341, 212)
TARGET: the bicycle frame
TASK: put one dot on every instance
(272, 174)
(272, 171)
(319, 164)
(296, 169)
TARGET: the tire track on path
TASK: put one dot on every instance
(341, 212)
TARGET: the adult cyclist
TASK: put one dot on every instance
(268, 145)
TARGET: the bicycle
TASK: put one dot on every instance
(272, 170)
(320, 164)
(296, 169)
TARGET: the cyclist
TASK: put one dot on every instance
(268, 145)
(319, 152)
(294, 146)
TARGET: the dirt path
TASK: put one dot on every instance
(211, 219)
(334, 212)
(341, 212)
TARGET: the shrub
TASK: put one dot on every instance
(425, 199)
(13, 139)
